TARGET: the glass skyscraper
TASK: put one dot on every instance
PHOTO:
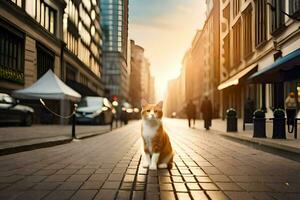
(114, 20)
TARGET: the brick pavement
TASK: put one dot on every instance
(207, 166)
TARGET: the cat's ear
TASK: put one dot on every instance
(143, 102)
(160, 104)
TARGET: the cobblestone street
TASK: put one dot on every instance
(207, 166)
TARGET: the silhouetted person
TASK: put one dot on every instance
(206, 109)
(291, 109)
(191, 112)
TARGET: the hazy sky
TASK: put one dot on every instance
(165, 28)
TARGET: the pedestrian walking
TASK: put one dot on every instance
(191, 112)
(291, 109)
(206, 109)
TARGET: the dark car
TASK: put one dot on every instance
(11, 112)
(95, 110)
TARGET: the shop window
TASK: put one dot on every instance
(11, 55)
(45, 60)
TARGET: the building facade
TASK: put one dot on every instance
(175, 99)
(141, 81)
(193, 72)
(82, 34)
(64, 37)
(136, 62)
(114, 20)
(260, 51)
(39, 35)
(210, 36)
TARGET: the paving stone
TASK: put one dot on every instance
(129, 178)
(180, 187)
(123, 195)
(203, 179)
(193, 186)
(138, 195)
(255, 187)
(239, 195)
(112, 177)
(189, 179)
(217, 195)
(56, 178)
(92, 185)
(70, 186)
(229, 187)
(111, 185)
(152, 196)
(78, 178)
(106, 195)
(33, 195)
(167, 195)
(152, 188)
(59, 195)
(164, 179)
(208, 186)
(84, 194)
(126, 186)
(220, 178)
(47, 185)
(183, 196)
(198, 195)
(177, 179)
(166, 186)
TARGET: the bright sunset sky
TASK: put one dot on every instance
(165, 28)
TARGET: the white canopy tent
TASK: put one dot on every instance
(49, 86)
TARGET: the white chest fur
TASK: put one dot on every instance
(149, 131)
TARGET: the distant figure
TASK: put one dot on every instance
(124, 117)
(249, 110)
(291, 107)
(191, 112)
(206, 109)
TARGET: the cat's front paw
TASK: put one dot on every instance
(153, 167)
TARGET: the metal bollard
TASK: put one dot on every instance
(279, 124)
(231, 120)
(73, 126)
(295, 128)
(259, 122)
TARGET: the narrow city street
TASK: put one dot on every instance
(207, 166)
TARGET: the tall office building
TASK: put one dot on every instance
(114, 20)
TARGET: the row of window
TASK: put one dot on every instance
(11, 48)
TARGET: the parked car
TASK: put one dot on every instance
(95, 110)
(11, 112)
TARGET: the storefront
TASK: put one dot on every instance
(280, 78)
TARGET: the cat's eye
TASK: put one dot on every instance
(147, 110)
(155, 111)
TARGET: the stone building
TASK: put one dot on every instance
(260, 43)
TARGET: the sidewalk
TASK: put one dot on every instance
(289, 145)
(16, 139)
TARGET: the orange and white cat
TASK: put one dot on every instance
(158, 151)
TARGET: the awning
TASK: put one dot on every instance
(49, 86)
(234, 80)
(283, 69)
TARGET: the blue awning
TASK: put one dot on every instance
(283, 69)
